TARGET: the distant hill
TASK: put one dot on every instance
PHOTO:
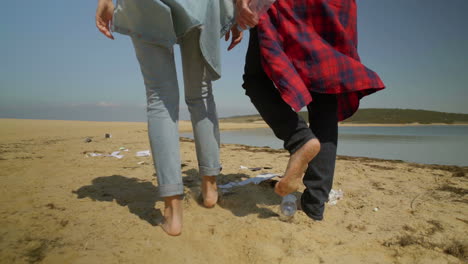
(381, 116)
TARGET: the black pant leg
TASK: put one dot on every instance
(318, 178)
(293, 130)
(286, 124)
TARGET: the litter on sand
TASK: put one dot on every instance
(143, 153)
(115, 154)
(256, 180)
(255, 168)
(334, 196)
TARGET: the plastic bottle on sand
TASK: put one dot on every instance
(288, 207)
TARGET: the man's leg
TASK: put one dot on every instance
(285, 122)
(318, 178)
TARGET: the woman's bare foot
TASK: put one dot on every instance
(297, 165)
(209, 191)
(172, 224)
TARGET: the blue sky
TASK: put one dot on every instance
(56, 65)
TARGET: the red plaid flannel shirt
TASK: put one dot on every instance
(311, 46)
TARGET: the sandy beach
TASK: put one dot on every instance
(61, 205)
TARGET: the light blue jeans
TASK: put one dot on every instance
(162, 92)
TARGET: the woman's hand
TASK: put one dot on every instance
(104, 12)
(245, 18)
(236, 36)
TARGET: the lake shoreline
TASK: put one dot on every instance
(186, 126)
(266, 149)
(257, 124)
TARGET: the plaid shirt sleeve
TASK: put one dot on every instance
(311, 46)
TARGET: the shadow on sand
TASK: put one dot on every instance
(139, 196)
(241, 201)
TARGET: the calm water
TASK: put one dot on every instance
(422, 144)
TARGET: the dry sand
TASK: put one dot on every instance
(60, 206)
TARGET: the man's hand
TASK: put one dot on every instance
(104, 12)
(236, 36)
(245, 18)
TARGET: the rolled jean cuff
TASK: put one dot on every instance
(167, 190)
(296, 141)
(206, 171)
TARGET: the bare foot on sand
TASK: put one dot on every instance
(172, 224)
(209, 191)
(297, 165)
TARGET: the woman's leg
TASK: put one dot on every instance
(202, 108)
(162, 92)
